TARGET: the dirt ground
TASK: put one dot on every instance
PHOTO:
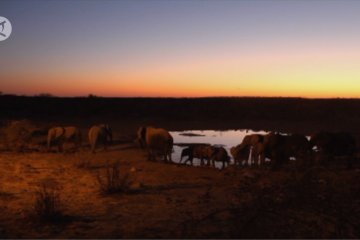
(167, 200)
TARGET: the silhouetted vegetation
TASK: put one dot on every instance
(113, 181)
(47, 204)
(337, 114)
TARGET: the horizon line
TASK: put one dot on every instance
(47, 95)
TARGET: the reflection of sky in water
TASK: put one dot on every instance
(227, 139)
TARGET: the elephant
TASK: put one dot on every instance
(335, 144)
(201, 151)
(298, 146)
(275, 149)
(279, 148)
(258, 154)
(252, 139)
(253, 143)
(60, 135)
(101, 133)
(219, 154)
(240, 153)
(157, 141)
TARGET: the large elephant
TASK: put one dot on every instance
(220, 155)
(335, 144)
(275, 149)
(100, 134)
(157, 141)
(298, 146)
(253, 143)
(240, 153)
(60, 135)
(252, 139)
(201, 151)
(279, 148)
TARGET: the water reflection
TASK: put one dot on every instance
(226, 139)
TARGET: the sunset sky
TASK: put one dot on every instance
(187, 48)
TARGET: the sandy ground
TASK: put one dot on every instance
(176, 201)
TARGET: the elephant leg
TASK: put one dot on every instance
(48, 146)
(252, 162)
(105, 146)
(262, 159)
(165, 156)
(257, 160)
(170, 159)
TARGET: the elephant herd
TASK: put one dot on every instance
(322, 147)
(159, 141)
(279, 148)
(98, 134)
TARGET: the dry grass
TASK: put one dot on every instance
(113, 181)
(47, 204)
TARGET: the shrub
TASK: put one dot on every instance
(47, 203)
(113, 182)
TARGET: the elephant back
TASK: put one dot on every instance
(338, 143)
(71, 132)
(158, 138)
(56, 132)
(220, 154)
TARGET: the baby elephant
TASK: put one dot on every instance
(220, 155)
(201, 151)
(100, 134)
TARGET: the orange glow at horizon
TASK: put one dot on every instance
(304, 72)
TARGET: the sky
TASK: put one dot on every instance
(182, 48)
